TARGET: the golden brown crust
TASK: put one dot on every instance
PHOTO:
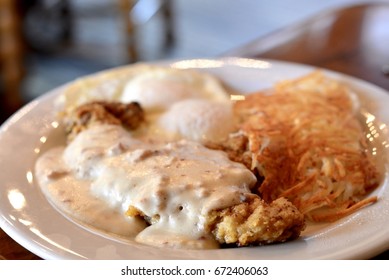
(129, 115)
(135, 212)
(255, 222)
(249, 223)
(236, 148)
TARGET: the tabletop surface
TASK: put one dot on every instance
(351, 40)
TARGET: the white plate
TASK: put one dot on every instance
(27, 217)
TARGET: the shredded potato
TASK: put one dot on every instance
(309, 146)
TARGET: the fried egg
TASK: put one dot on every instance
(199, 120)
(159, 88)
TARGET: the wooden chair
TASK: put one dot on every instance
(129, 9)
(11, 57)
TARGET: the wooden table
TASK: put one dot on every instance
(354, 41)
(11, 250)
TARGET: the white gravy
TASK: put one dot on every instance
(105, 170)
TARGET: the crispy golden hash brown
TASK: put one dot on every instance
(305, 140)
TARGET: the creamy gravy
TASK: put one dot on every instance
(104, 170)
(73, 196)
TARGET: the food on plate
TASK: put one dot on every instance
(199, 120)
(163, 157)
(306, 141)
(158, 88)
(154, 87)
(176, 187)
(256, 222)
(129, 115)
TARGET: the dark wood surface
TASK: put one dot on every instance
(353, 41)
(11, 250)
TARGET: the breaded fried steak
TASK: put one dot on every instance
(251, 222)
(130, 115)
(225, 211)
(255, 222)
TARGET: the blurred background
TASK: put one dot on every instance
(45, 43)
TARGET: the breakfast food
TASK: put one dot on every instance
(128, 115)
(256, 222)
(305, 140)
(162, 156)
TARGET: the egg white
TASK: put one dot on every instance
(159, 88)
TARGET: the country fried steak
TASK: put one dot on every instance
(130, 115)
